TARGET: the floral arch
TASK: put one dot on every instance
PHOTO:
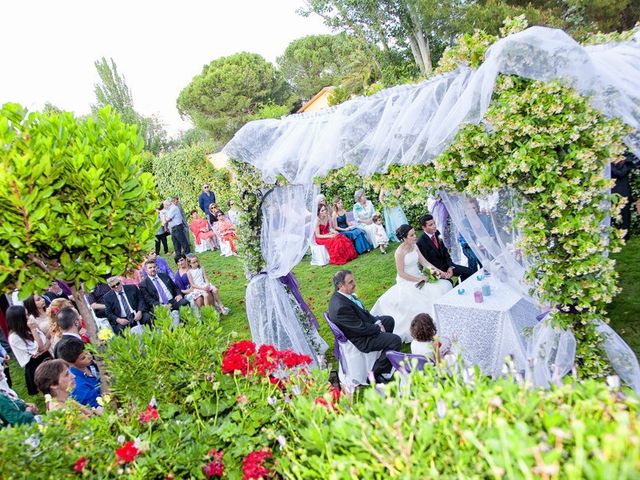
(534, 115)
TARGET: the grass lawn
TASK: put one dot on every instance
(374, 274)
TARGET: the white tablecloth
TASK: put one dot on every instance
(486, 332)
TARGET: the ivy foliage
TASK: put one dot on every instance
(74, 201)
(182, 172)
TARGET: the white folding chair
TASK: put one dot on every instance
(319, 254)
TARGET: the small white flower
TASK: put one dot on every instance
(282, 441)
(33, 441)
(271, 400)
(441, 408)
(613, 381)
(120, 439)
(295, 390)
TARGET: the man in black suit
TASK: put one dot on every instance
(124, 306)
(159, 289)
(366, 332)
(434, 250)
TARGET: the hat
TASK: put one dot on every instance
(358, 194)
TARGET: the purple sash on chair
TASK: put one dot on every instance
(289, 280)
(403, 362)
(340, 338)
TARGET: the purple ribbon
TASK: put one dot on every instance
(290, 281)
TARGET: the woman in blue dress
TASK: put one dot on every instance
(393, 214)
(357, 236)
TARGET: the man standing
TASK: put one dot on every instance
(124, 306)
(176, 227)
(159, 289)
(366, 332)
(206, 198)
(434, 250)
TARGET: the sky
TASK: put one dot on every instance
(50, 46)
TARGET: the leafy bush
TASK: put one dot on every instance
(177, 406)
(468, 426)
(183, 171)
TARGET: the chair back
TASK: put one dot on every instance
(350, 217)
(405, 362)
(339, 338)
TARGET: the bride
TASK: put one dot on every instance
(405, 300)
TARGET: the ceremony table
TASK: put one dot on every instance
(486, 332)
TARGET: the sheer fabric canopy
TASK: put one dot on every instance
(412, 124)
(274, 316)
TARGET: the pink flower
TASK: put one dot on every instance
(253, 467)
(215, 467)
(151, 413)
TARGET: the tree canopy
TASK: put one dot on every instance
(317, 61)
(230, 90)
(113, 90)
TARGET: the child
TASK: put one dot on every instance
(424, 343)
(86, 388)
(381, 235)
(199, 281)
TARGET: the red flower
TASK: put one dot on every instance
(243, 347)
(335, 393)
(127, 453)
(80, 464)
(215, 467)
(169, 476)
(292, 359)
(233, 362)
(151, 413)
(253, 467)
(267, 359)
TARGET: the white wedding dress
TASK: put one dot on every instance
(404, 301)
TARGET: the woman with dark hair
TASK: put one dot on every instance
(36, 307)
(357, 236)
(415, 290)
(29, 345)
(340, 248)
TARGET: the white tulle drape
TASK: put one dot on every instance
(273, 314)
(412, 124)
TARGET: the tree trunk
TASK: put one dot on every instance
(85, 311)
(425, 51)
(417, 57)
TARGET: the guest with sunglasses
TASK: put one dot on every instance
(125, 306)
(206, 198)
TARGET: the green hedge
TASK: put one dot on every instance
(183, 171)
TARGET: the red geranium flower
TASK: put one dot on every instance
(127, 453)
(243, 347)
(292, 359)
(267, 359)
(80, 464)
(215, 467)
(151, 413)
(253, 467)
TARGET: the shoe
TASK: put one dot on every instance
(225, 310)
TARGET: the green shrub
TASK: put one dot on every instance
(183, 171)
(439, 426)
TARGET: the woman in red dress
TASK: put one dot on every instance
(200, 229)
(339, 247)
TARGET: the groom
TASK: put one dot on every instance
(434, 250)
(366, 332)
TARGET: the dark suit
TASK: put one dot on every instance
(151, 297)
(360, 328)
(113, 311)
(439, 257)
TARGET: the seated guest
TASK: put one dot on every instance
(4, 362)
(181, 279)
(68, 321)
(366, 332)
(199, 282)
(201, 230)
(436, 253)
(37, 308)
(55, 291)
(14, 411)
(227, 231)
(424, 343)
(363, 213)
(159, 290)
(56, 333)
(86, 388)
(54, 379)
(28, 344)
(357, 236)
(124, 306)
(212, 218)
(96, 299)
(322, 200)
(338, 246)
(161, 264)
